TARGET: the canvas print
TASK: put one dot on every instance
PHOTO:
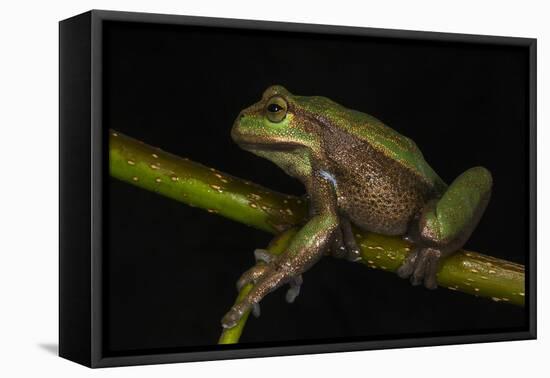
(282, 188)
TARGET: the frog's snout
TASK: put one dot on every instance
(234, 128)
(239, 119)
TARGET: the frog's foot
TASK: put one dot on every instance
(231, 319)
(270, 280)
(267, 283)
(252, 275)
(343, 244)
(337, 246)
(421, 266)
(353, 251)
(305, 249)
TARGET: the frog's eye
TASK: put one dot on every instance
(276, 109)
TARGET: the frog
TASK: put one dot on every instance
(358, 173)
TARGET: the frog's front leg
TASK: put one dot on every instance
(445, 225)
(305, 249)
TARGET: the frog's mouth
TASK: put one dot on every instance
(258, 143)
(277, 146)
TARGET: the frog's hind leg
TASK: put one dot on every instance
(445, 225)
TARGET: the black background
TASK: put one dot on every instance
(170, 269)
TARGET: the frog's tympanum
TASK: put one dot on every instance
(356, 171)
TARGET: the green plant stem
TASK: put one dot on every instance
(197, 185)
(194, 184)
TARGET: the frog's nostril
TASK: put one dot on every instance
(241, 115)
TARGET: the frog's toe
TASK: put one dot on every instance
(354, 255)
(252, 275)
(353, 251)
(421, 267)
(263, 255)
(256, 310)
(294, 290)
(407, 268)
(337, 246)
(231, 319)
(432, 262)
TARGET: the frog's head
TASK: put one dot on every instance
(279, 128)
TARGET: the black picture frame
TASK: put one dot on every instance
(83, 166)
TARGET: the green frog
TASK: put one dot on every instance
(356, 171)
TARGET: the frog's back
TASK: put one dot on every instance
(384, 139)
(397, 146)
(381, 178)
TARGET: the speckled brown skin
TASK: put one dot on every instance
(356, 171)
(374, 192)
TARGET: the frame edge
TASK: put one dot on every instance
(96, 134)
(74, 189)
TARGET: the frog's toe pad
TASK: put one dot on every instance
(407, 268)
(421, 266)
(294, 290)
(263, 255)
(354, 255)
(256, 310)
(231, 319)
